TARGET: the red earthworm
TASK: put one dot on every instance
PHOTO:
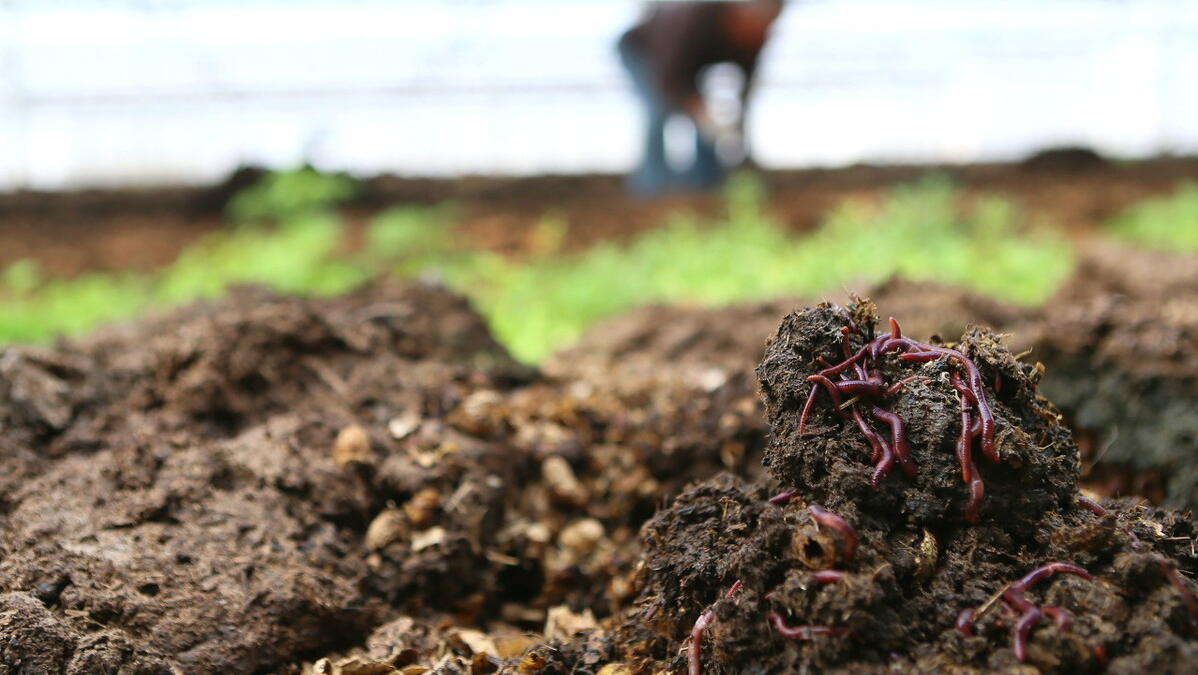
(844, 365)
(1031, 612)
(875, 441)
(969, 472)
(844, 340)
(1023, 628)
(898, 439)
(807, 408)
(921, 356)
(1100, 654)
(832, 521)
(977, 492)
(800, 632)
(963, 390)
(1048, 570)
(827, 576)
(695, 653)
(869, 387)
(784, 497)
(964, 623)
(833, 393)
(1091, 506)
(882, 458)
(964, 445)
(832, 389)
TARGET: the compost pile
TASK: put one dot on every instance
(856, 566)
(242, 487)
(370, 485)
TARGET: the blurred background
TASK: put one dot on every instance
(153, 152)
(117, 93)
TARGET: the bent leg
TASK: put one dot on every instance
(653, 176)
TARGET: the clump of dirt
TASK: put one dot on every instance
(1038, 463)
(841, 575)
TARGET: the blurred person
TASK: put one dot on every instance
(666, 54)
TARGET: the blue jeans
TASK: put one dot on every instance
(654, 176)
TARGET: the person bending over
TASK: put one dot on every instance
(666, 54)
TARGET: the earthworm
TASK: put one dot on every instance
(799, 632)
(694, 655)
(784, 497)
(883, 458)
(964, 623)
(1091, 506)
(1032, 612)
(969, 472)
(898, 439)
(827, 576)
(832, 521)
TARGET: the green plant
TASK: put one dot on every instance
(1166, 222)
(547, 299)
(282, 195)
(919, 232)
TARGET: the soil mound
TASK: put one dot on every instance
(861, 568)
(172, 497)
(237, 487)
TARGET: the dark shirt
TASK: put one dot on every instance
(679, 39)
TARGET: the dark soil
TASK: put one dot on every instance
(1123, 350)
(249, 486)
(234, 487)
(919, 563)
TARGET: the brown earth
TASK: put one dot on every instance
(246, 487)
(183, 494)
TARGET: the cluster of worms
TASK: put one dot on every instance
(856, 388)
(1013, 598)
(858, 391)
(1029, 612)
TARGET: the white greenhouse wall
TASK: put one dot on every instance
(121, 92)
